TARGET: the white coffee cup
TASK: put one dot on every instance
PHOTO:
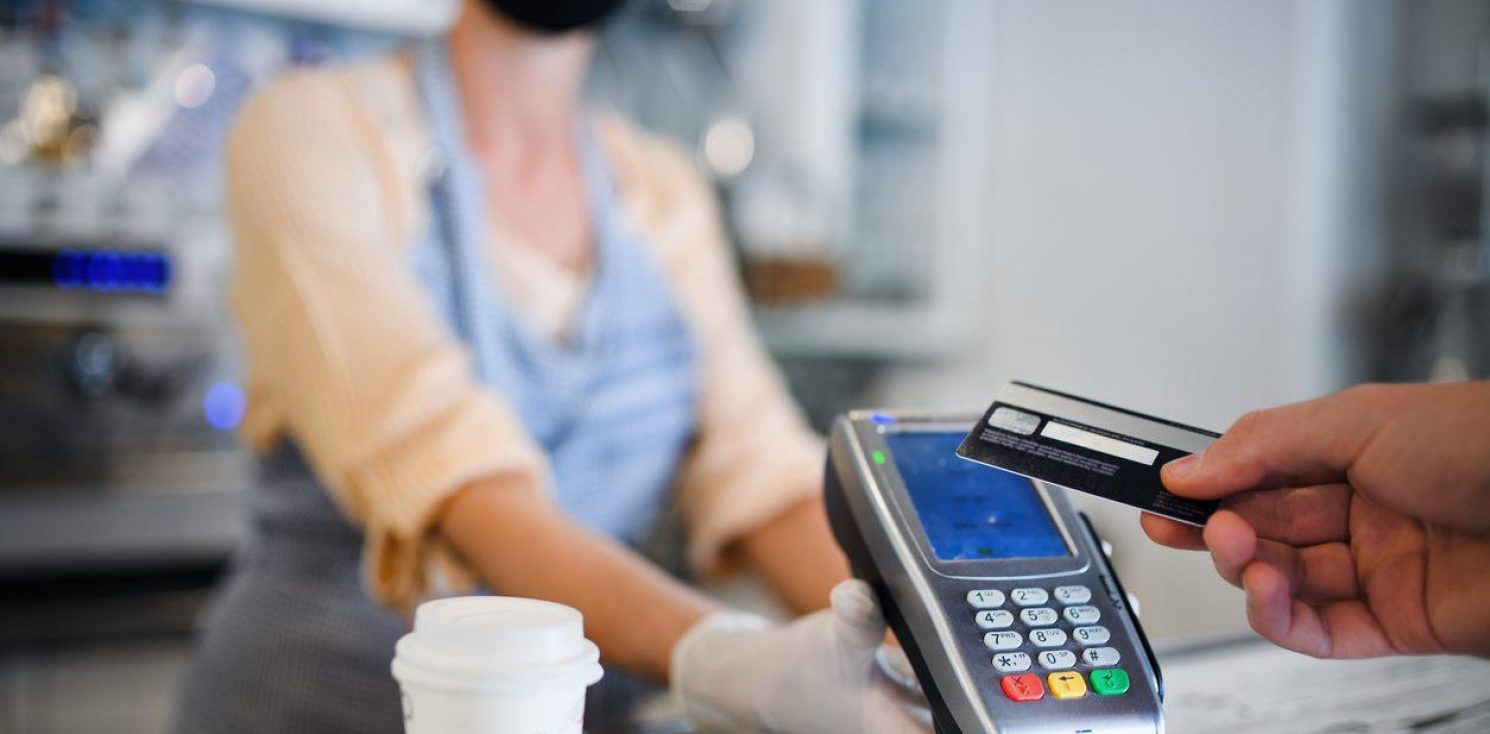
(488, 664)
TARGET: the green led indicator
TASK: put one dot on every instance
(879, 457)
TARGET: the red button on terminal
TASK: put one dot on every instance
(1023, 687)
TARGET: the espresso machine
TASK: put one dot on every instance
(120, 475)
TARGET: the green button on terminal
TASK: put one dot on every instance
(1109, 682)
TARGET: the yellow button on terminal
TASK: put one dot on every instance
(1067, 685)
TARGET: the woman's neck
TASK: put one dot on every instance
(519, 90)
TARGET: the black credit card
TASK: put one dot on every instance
(1087, 446)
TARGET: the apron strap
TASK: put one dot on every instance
(456, 208)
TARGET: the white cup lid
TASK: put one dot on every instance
(486, 641)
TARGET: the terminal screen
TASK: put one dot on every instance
(971, 511)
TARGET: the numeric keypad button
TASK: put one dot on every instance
(1022, 687)
(985, 598)
(1011, 662)
(994, 619)
(1038, 616)
(1002, 640)
(1057, 659)
(1052, 637)
(1088, 636)
(1073, 594)
(1083, 615)
(1066, 685)
(1030, 597)
(1110, 681)
(1099, 657)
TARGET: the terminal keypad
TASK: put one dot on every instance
(1055, 630)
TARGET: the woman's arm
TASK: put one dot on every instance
(795, 553)
(520, 544)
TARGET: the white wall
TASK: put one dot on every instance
(1178, 202)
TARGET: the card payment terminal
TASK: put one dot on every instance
(998, 590)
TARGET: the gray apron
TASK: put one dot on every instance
(295, 643)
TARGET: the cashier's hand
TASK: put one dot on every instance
(817, 674)
(1358, 523)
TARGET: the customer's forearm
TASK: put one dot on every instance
(522, 545)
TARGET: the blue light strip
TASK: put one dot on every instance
(106, 271)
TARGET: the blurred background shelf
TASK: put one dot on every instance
(862, 331)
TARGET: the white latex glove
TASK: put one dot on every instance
(816, 675)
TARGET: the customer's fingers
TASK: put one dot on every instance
(1321, 572)
(1232, 543)
(1298, 516)
(1339, 629)
(1315, 441)
(1165, 531)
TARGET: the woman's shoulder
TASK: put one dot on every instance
(646, 163)
(333, 131)
(301, 99)
(320, 103)
(662, 187)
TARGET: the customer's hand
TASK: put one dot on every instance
(815, 675)
(1358, 524)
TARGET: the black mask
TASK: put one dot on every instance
(554, 16)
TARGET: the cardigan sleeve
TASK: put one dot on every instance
(346, 353)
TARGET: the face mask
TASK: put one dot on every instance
(554, 16)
